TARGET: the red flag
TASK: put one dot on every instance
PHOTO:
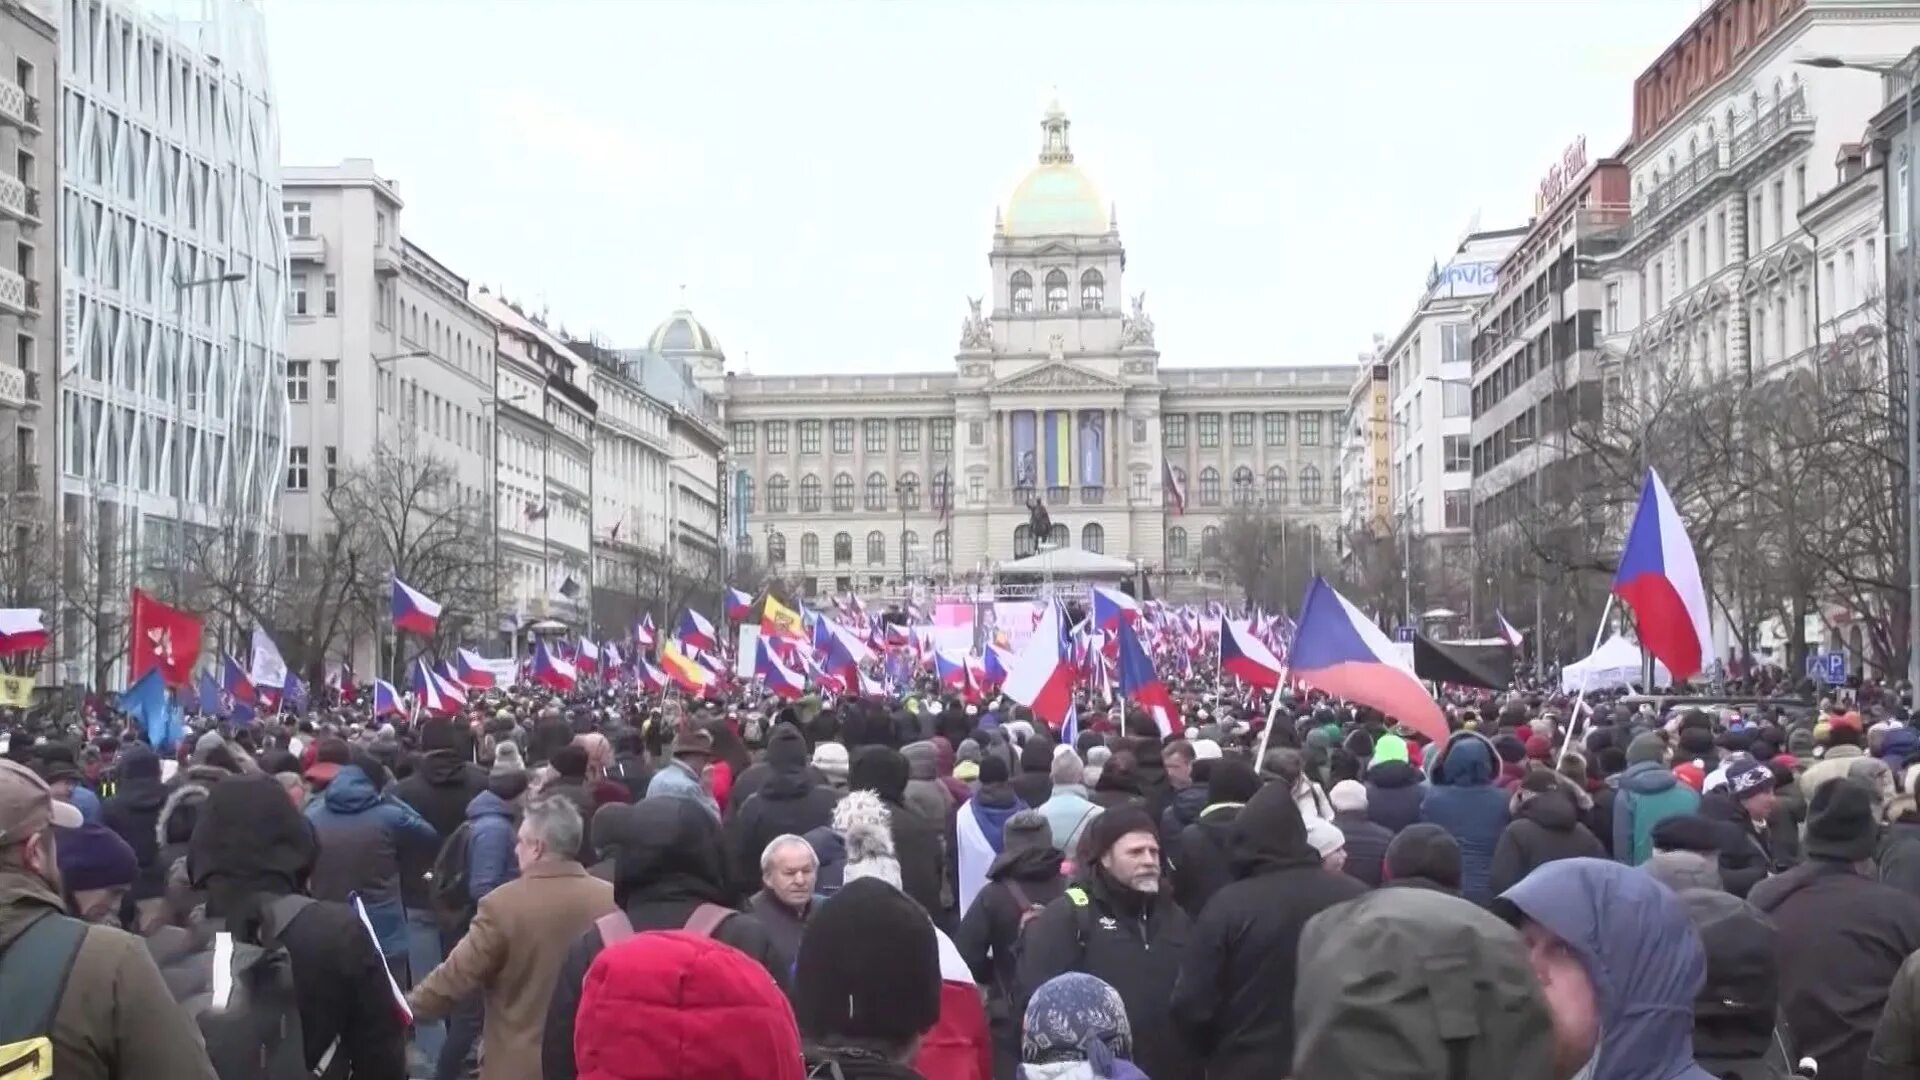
(162, 637)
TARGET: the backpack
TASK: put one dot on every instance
(615, 927)
(249, 1016)
(33, 979)
(448, 884)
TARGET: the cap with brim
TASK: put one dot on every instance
(27, 805)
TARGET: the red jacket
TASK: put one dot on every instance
(958, 1047)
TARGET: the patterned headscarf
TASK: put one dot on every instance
(1076, 1017)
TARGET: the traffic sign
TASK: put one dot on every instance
(1833, 667)
(1403, 634)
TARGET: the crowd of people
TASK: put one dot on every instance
(613, 885)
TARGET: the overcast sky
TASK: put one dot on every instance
(822, 177)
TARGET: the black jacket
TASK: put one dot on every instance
(439, 789)
(1033, 788)
(1203, 867)
(632, 772)
(1182, 810)
(1898, 857)
(1233, 1000)
(1544, 828)
(992, 924)
(919, 842)
(1367, 842)
(1394, 792)
(788, 802)
(1131, 940)
(1842, 939)
(134, 813)
(1746, 856)
(667, 862)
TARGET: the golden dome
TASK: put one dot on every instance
(1056, 198)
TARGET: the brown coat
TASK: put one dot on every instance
(519, 939)
(116, 1017)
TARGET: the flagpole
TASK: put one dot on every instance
(1573, 719)
(1273, 708)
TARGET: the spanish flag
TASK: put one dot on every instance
(683, 670)
(779, 620)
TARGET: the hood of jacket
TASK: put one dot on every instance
(442, 768)
(1647, 778)
(1552, 810)
(786, 765)
(1468, 760)
(1393, 774)
(178, 813)
(351, 791)
(1187, 803)
(143, 795)
(487, 804)
(1026, 864)
(1743, 976)
(1268, 835)
(923, 760)
(662, 849)
(1643, 955)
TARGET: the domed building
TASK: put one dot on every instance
(1055, 393)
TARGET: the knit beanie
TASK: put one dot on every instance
(1067, 767)
(507, 759)
(1511, 750)
(1646, 746)
(1232, 781)
(1099, 835)
(838, 989)
(1027, 830)
(831, 759)
(865, 826)
(1840, 825)
(1800, 743)
(1389, 747)
(1348, 796)
(94, 857)
(994, 770)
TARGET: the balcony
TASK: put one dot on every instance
(1773, 128)
(14, 291)
(18, 201)
(13, 386)
(386, 261)
(307, 249)
(17, 107)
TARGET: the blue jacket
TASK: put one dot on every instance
(1464, 802)
(1642, 953)
(361, 832)
(675, 779)
(490, 838)
(1649, 793)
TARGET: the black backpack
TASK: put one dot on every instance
(448, 884)
(33, 978)
(250, 1020)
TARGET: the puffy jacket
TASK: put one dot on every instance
(1182, 810)
(1366, 844)
(361, 834)
(439, 790)
(788, 802)
(1544, 828)
(987, 935)
(1647, 794)
(1464, 802)
(1395, 791)
(1745, 858)
(490, 841)
(134, 813)
(1233, 1000)
(1206, 850)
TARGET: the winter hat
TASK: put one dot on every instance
(1348, 796)
(1325, 837)
(1686, 832)
(839, 992)
(1691, 775)
(1027, 830)
(1681, 870)
(1232, 781)
(993, 770)
(507, 759)
(968, 750)
(570, 761)
(923, 759)
(881, 770)
(866, 826)
(670, 991)
(1076, 1017)
(138, 762)
(1424, 850)
(94, 857)
(1106, 828)
(1800, 743)
(1840, 821)
(1359, 744)
(1747, 776)
(1206, 750)
(1696, 741)
(1067, 767)
(1389, 747)
(831, 759)
(1511, 750)
(1539, 748)
(1646, 746)
(1036, 755)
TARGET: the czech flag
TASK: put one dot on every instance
(386, 700)
(998, 664)
(951, 667)
(695, 631)
(21, 630)
(1245, 657)
(235, 681)
(1110, 606)
(643, 635)
(450, 683)
(1507, 631)
(1041, 679)
(1660, 580)
(472, 669)
(871, 687)
(430, 691)
(844, 651)
(412, 610)
(1341, 651)
(651, 678)
(550, 670)
(1140, 684)
(588, 658)
(782, 680)
(738, 605)
(780, 620)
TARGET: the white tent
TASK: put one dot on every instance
(1615, 664)
(1067, 562)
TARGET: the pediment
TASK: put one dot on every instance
(1056, 375)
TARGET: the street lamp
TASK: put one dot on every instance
(1906, 69)
(379, 361)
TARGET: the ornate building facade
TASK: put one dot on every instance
(1056, 393)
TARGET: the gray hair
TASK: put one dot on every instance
(785, 840)
(555, 822)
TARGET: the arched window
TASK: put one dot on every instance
(843, 493)
(876, 549)
(1020, 290)
(909, 544)
(809, 494)
(942, 490)
(842, 548)
(1059, 536)
(1209, 486)
(809, 550)
(1177, 544)
(1210, 542)
(876, 491)
(942, 548)
(1022, 541)
(1056, 290)
(744, 542)
(1276, 485)
(776, 494)
(1093, 290)
(743, 491)
(1309, 485)
(1093, 538)
(1693, 148)
(1243, 486)
(776, 550)
(909, 491)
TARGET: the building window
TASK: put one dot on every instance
(1274, 428)
(809, 436)
(298, 297)
(1058, 536)
(876, 548)
(776, 549)
(809, 494)
(1276, 485)
(297, 381)
(940, 432)
(909, 547)
(842, 548)
(331, 458)
(776, 436)
(909, 491)
(743, 436)
(1022, 541)
(1056, 290)
(876, 491)
(976, 490)
(1309, 429)
(1020, 291)
(1309, 485)
(907, 432)
(1093, 538)
(942, 548)
(1611, 319)
(776, 494)
(743, 492)
(1458, 508)
(809, 549)
(1243, 486)
(1240, 426)
(976, 433)
(842, 431)
(942, 492)
(1456, 400)
(1210, 542)
(1093, 293)
(299, 219)
(1459, 453)
(1779, 209)
(1799, 187)
(873, 435)
(843, 493)
(296, 468)
(330, 375)
(1208, 424)
(1176, 544)
(1174, 428)
(1209, 486)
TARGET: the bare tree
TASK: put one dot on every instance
(1269, 557)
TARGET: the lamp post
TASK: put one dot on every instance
(1908, 70)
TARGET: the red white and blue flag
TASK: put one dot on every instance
(1245, 657)
(550, 670)
(386, 700)
(695, 632)
(780, 679)
(1507, 632)
(21, 630)
(650, 677)
(472, 669)
(587, 659)
(235, 681)
(1341, 651)
(1659, 579)
(1174, 489)
(413, 611)
(1110, 606)
(1140, 683)
(738, 604)
(643, 635)
(1042, 679)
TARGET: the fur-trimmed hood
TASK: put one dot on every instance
(190, 795)
(1582, 801)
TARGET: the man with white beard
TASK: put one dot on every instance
(1116, 923)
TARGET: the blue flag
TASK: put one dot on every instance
(293, 695)
(146, 701)
(212, 701)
